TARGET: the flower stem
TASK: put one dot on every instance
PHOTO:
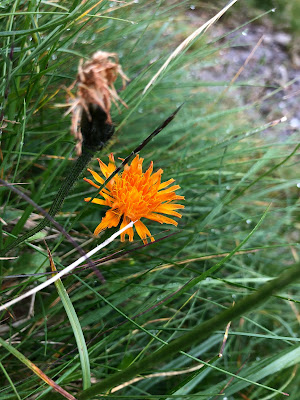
(96, 132)
(198, 334)
(63, 191)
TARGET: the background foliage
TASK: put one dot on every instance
(231, 172)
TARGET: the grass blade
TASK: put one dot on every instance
(74, 321)
(36, 370)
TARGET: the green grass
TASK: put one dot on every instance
(241, 199)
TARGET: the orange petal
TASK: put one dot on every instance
(128, 231)
(149, 171)
(157, 176)
(110, 200)
(111, 158)
(137, 163)
(170, 189)
(173, 206)
(96, 201)
(111, 219)
(161, 219)
(169, 209)
(143, 232)
(111, 165)
(170, 197)
(96, 176)
(165, 184)
(91, 183)
(103, 167)
(107, 169)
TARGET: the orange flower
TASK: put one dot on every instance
(134, 195)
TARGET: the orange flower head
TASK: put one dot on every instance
(133, 195)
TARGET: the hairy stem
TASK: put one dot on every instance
(95, 132)
(66, 186)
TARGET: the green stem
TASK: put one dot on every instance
(95, 132)
(66, 186)
(198, 334)
(35, 369)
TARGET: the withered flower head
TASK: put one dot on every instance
(95, 89)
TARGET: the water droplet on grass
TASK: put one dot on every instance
(295, 123)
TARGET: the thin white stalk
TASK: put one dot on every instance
(187, 41)
(66, 270)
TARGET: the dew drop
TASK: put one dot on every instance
(295, 123)
(298, 185)
(248, 221)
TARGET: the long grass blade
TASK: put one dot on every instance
(74, 321)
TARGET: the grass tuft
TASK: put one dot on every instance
(237, 171)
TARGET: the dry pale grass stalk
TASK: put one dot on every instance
(66, 270)
(173, 373)
(156, 375)
(187, 41)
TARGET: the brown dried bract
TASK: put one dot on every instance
(95, 85)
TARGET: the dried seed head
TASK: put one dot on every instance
(95, 86)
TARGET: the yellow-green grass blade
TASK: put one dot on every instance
(10, 381)
(75, 324)
(35, 369)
